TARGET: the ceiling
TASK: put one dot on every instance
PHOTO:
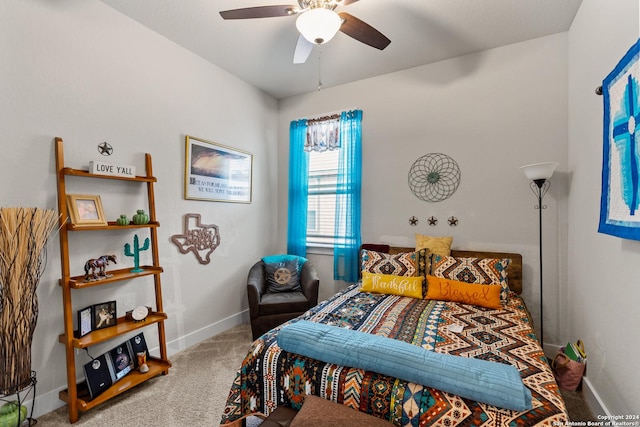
(260, 51)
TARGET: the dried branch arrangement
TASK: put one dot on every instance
(23, 236)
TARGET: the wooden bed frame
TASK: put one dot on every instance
(514, 271)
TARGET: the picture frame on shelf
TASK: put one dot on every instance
(86, 210)
(104, 315)
(85, 321)
(215, 172)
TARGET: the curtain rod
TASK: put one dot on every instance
(330, 114)
(323, 118)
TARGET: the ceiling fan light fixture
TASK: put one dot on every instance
(318, 25)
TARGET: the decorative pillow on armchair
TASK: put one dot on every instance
(484, 271)
(283, 272)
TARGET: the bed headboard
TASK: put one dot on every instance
(514, 271)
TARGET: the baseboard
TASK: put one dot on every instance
(209, 331)
(50, 401)
(592, 398)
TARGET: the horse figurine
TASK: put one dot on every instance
(98, 264)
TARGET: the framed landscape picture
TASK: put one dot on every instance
(215, 172)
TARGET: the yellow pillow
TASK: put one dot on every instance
(466, 293)
(407, 286)
(436, 245)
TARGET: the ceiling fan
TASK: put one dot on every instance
(317, 23)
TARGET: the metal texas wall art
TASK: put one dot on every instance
(201, 239)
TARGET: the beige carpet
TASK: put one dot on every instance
(193, 394)
(195, 391)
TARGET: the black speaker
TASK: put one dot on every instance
(138, 345)
(98, 375)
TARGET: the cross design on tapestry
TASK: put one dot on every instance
(620, 199)
(625, 124)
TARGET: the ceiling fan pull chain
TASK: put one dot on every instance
(319, 69)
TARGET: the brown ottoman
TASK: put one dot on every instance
(319, 412)
(281, 417)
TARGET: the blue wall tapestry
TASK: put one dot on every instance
(620, 202)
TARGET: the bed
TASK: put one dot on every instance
(270, 377)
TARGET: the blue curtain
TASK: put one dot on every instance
(298, 189)
(348, 205)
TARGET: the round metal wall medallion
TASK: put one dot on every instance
(434, 177)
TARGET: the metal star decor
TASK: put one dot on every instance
(432, 221)
(105, 149)
(413, 221)
(201, 239)
(453, 221)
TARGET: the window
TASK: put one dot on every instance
(324, 189)
(321, 202)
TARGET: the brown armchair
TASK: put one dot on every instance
(268, 310)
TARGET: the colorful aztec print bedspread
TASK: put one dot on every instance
(270, 377)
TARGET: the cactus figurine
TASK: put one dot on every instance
(123, 220)
(140, 218)
(136, 252)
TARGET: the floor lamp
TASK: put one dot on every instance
(539, 174)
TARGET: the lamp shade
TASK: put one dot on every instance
(318, 25)
(539, 170)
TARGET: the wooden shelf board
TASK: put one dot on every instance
(87, 174)
(122, 326)
(77, 282)
(132, 379)
(111, 225)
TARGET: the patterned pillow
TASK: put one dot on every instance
(484, 271)
(401, 264)
(283, 273)
(423, 265)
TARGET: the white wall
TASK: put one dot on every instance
(82, 71)
(603, 289)
(79, 70)
(492, 112)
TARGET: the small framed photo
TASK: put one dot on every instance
(85, 209)
(85, 321)
(104, 315)
(215, 172)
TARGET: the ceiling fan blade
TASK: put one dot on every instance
(363, 32)
(260, 12)
(303, 50)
